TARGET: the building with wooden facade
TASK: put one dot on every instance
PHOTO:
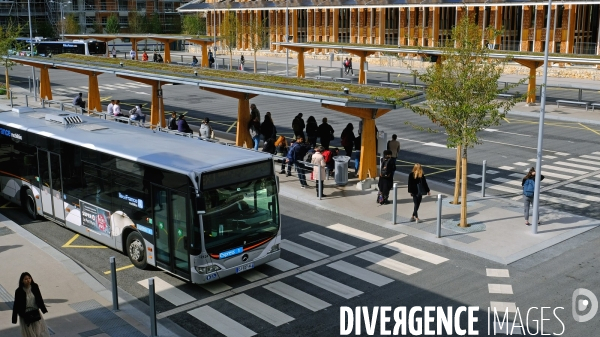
(574, 25)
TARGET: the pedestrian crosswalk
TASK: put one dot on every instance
(72, 91)
(577, 179)
(359, 268)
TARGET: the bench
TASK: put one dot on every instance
(594, 105)
(558, 102)
(343, 79)
(414, 86)
(506, 95)
(320, 77)
(389, 84)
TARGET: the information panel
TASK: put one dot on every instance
(95, 218)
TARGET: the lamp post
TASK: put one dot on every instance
(538, 164)
(62, 6)
(287, 39)
(214, 30)
(31, 48)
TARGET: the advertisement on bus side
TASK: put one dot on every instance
(95, 218)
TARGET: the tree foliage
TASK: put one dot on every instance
(44, 29)
(154, 25)
(8, 46)
(137, 23)
(257, 30)
(71, 24)
(112, 25)
(229, 33)
(193, 24)
(462, 91)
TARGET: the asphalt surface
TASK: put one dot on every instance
(545, 279)
(515, 141)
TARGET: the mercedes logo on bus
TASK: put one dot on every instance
(245, 257)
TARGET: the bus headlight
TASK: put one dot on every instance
(208, 269)
(274, 248)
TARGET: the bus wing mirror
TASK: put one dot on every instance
(200, 204)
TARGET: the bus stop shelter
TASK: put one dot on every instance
(367, 110)
(134, 39)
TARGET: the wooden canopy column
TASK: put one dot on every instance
(134, 41)
(363, 58)
(204, 45)
(157, 109)
(300, 50)
(166, 42)
(368, 149)
(93, 98)
(531, 87)
(242, 136)
(45, 88)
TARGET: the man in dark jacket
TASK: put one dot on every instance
(325, 132)
(295, 155)
(254, 112)
(78, 101)
(182, 125)
(298, 126)
(173, 121)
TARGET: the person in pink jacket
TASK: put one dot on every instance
(319, 161)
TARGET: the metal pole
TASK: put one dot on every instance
(181, 58)
(438, 229)
(414, 79)
(388, 76)
(342, 72)
(152, 300)
(319, 70)
(538, 164)
(320, 183)
(267, 67)
(287, 50)
(113, 274)
(31, 45)
(483, 179)
(580, 94)
(395, 204)
(62, 107)
(27, 100)
(29, 83)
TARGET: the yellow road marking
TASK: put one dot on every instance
(506, 119)
(119, 269)
(441, 171)
(594, 131)
(232, 125)
(5, 205)
(68, 244)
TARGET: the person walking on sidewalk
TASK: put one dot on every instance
(254, 130)
(386, 178)
(325, 132)
(281, 148)
(295, 156)
(394, 146)
(319, 161)
(27, 306)
(417, 187)
(528, 184)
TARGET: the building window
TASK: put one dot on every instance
(103, 5)
(557, 47)
(104, 19)
(302, 25)
(123, 5)
(169, 7)
(559, 15)
(123, 21)
(141, 6)
(531, 16)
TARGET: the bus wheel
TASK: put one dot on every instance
(136, 250)
(28, 204)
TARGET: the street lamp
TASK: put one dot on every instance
(62, 6)
(287, 39)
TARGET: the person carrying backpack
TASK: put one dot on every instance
(528, 184)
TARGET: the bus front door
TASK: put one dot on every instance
(170, 228)
(50, 184)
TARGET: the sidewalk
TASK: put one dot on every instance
(78, 304)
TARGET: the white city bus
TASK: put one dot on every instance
(197, 209)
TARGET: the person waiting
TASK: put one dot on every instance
(182, 125)
(137, 115)
(159, 59)
(78, 101)
(194, 61)
(155, 57)
(117, 108)
(145, 56)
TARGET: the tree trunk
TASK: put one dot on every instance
(230, 59)
(463, 206)
(7, 82)
(255, 61)
(457, 177)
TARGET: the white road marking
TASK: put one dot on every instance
(562, 169)
(505, 289)
(511, 133)
(521, 164)
(474, 176)
(508, 168)
(502, 306)
(491, 272)
(303, 251)
(297, 296)
(167, 291)
(590, 162)
(260, 310)
(590, 157)
(327, 241)
(220, 322)
(561, 154)
(282, 264)
(417, 253)
(501, 187)
(360, 273)
(253, 275)
(585, 188)
(491, 172)
(564, 163)
(575, 194)
(328, 284)
(355, 232)
(388, 263)
(550, 157)
(216, 287)
(563, 201)
(591, 181)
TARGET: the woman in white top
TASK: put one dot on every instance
(117, 109)
(319, 161)
(109, 109)
(136, 114)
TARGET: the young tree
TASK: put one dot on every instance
(44, 29)
(461, 92)
(229, 33)
(257, 31)
(137, 23)
(193, 25)
(8, 43)
(71, 24)
(154, 25)
(112, 25)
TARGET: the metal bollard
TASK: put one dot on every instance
(319, 70)
(414, 79)
(388, 77)
(11, 98)
(438, 227)
(319, 183)
(43, 103)
(483, 179)
(152, 300)
(62, 106)
(113, 275)
(181, 58)
(395, 204)
(341, 72)
(29, 83)
(267, 68)
(26, 100)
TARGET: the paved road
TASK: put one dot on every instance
(571, 151)
(332, 261)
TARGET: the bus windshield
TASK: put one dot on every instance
(240, 215)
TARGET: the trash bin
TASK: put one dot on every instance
(341, 170)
